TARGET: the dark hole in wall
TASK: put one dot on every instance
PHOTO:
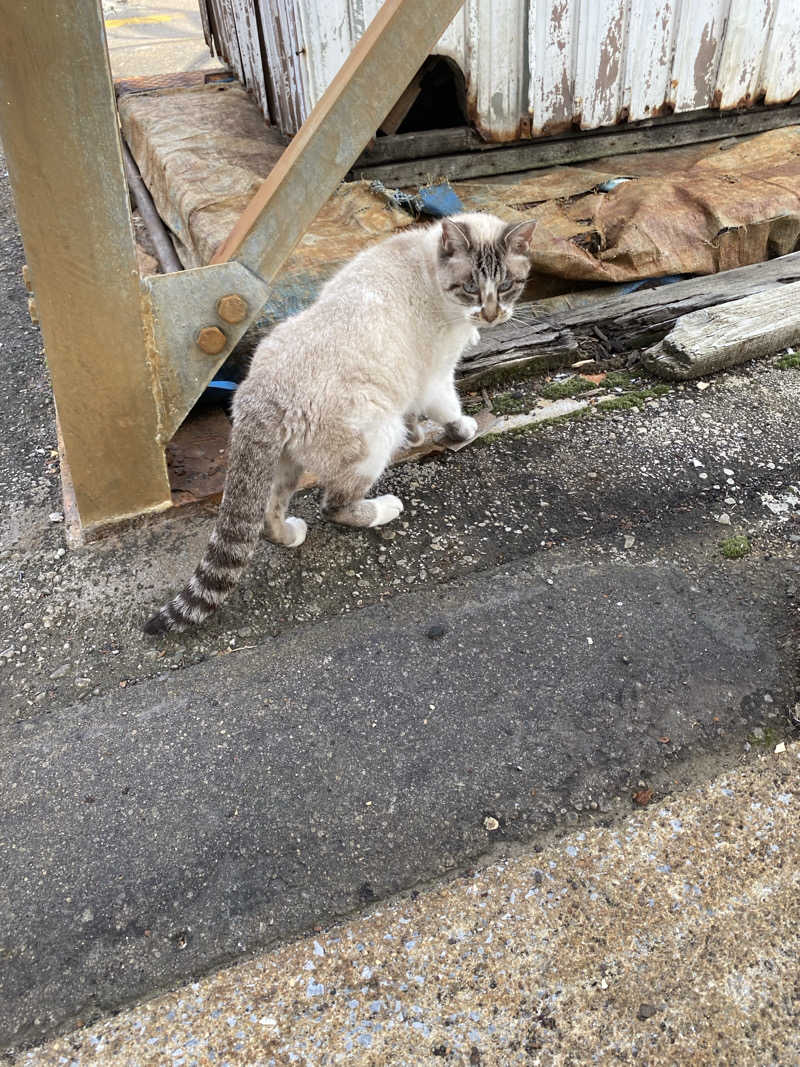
(442, 99)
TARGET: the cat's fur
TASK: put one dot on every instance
(337, 389)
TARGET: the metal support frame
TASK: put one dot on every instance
(129, 358)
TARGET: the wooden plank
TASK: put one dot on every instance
(58, 125)
(421, 143)
(715, 338)
(394, 120)
(383, 62)
(579, 148)
(628, 321)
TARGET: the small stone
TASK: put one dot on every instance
(645, 1011)
(768, 699)
(724, 518)
(780, 747)
(435, 631)
(491, 823)
(82, 683)
(59, 672)
(55, 516)
(388, 535)
(630, 540)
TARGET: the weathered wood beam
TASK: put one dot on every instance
(382, 64)
(545, 339)
(718, 337)
(459, 155)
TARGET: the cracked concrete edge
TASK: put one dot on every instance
(672, 935)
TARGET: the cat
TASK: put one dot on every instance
(338, 388)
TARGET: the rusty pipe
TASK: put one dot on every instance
(162, 243)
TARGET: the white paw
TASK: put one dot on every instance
(475, 336)
(298, 529)
(463, 429)
(387, 508)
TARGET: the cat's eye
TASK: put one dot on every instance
(469, 287)
(503, 287)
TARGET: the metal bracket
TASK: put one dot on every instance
(197, 318)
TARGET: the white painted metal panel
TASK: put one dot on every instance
(780, 71)
(649, 55)
(599, 62)
(541, 65)
(746, 36)
(497, 79)
(552, 30)
(700, 31)
(327, 40)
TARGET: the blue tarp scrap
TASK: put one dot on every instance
(432, 201)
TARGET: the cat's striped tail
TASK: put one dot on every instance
(251, 465)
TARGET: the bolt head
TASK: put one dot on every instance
(232, 308)
(211, 339)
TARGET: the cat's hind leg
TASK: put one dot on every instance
(279, 527)
(344, 499)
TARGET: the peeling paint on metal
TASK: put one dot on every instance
(540, 68)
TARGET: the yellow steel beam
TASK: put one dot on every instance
(59, 130)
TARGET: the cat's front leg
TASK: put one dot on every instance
(443, 405)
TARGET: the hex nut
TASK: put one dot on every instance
(211, 339)
(232, 308)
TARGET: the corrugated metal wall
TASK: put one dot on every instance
(535, 67)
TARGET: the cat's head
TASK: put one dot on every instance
(483, 263)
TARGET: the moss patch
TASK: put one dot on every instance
(618, 379)
(735, 547)
(634, 399)
(569, 387)
(765, 737)
(789, 361)
(511, 403)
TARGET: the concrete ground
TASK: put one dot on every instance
(670, 937)
(155, 37)
(448, 706)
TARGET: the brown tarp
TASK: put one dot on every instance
(203, 152)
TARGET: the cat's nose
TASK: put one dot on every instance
(489, 311)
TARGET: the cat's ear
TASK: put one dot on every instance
(517, 237)
(454, 239)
